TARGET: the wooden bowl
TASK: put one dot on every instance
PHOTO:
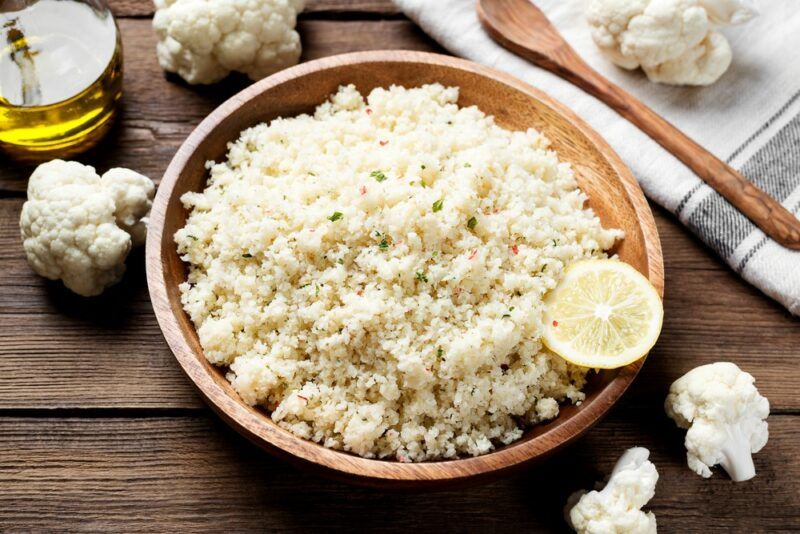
(613, 194)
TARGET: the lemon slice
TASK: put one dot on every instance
(603, 314)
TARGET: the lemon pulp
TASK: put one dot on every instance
(603, 314)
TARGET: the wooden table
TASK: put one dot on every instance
(100, 430)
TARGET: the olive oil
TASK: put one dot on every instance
(60, 75)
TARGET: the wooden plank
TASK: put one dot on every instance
(192, 473)
(57, 349)
(144, 8)
(160, 111)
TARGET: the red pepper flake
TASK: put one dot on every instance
(402, 458)
(363, 189)
(474, 253)
(555, 323)
(515, 249)
(360, 293)
(369, 111)
(304, 398)
(383, 142)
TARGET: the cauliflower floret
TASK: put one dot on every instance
(74, 223)
(725, 416)
(617, 508)
(700, 65)
(673, 41)
(133, 197)
(205, 40)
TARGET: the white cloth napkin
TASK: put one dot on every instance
(750, 118)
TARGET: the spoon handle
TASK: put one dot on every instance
(765, 212)
(558, 57)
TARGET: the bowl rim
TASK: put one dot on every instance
(339, 464)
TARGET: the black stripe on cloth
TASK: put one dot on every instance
(775, 168)
(689, 194)
(761, 242)
(685, 199)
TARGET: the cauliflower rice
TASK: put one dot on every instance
(373, 274)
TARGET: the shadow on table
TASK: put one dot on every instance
(275, 493)
(115, 308)
(279, 494)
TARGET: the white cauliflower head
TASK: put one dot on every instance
(205, 40)
(673, 41)
(725, 415)
(617, 508)
(75, 224)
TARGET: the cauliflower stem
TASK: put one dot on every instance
(736, 458)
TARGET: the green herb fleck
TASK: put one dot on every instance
(311, 173)
(304, 286)
(437, 206)
(336, 216)
(316, 292)
(439, 353)
(384, 244)
(247, 255)
(422, 167)
(378, 175)
(555, 242)
(340, 261)
(544, 267)
(467, 165)
(505, 315)
(422, 277)
(511, 309)
(472, 223)
(192, 237)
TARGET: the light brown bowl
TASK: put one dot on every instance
(613, 194)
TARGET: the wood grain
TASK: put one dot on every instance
(193, 474)
(522, 28)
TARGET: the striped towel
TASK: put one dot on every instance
(750, 118)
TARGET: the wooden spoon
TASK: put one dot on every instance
(521, 27)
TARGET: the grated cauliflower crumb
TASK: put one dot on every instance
(373, 274)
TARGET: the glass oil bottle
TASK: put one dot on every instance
(60, 75)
